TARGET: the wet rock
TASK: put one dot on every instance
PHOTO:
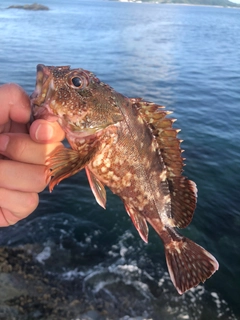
(27, 291)
(92, 315)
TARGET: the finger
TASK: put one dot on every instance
(14, 104)
(46, 132)
(16, 127)
(22, 177)
(21, 147)
(15, 205)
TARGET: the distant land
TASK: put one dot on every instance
(219, 3)
(34, 7)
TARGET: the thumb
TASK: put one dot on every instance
(43, 131)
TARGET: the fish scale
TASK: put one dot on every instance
(130, 146)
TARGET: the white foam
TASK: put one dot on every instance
(216, 299)
(44, 255)
(72, 274)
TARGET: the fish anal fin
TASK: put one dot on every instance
(188, 264)
(139, 222)
(63, 163)
(183, 194)
(97, 188)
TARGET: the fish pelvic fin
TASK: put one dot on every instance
(139, 222)
(188, 264)
(97, 188)
(63, 163)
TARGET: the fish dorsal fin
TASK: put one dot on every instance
(183, 192)
(97, 188)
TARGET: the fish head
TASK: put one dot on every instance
(76, 98)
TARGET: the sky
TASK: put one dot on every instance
(236, 1)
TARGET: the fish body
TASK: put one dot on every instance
(130, 146)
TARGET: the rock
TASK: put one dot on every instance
(34, 7)
(92, 315)
(28, 291)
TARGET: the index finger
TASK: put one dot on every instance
(20, 147)
(14, 104)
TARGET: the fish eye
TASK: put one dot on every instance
(77, 82)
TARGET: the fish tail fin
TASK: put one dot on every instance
(188, 263)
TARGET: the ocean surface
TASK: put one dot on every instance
(184, 57)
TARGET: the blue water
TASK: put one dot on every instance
(184, 57)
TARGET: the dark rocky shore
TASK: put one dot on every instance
(34, 7)
(30, 290)
(27, 291)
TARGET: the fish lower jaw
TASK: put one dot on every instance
(43, 112)
(77, 132)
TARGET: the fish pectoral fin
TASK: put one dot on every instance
(188, 264)
(97, 187)
(183, 200)
(139, 222)
(63, 163)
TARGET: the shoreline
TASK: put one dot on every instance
(33, 288)
(177, 4)
(29, 291)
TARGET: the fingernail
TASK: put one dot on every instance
(3, 142)
(44, 132)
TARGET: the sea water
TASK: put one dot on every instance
(184, 57)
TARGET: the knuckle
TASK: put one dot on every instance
(41, 182)
(20, 206)
(19, 148)
(31, 203)
(16, 147)
(2, 167)
(4, 220)
(10, 221)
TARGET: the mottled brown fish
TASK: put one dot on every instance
(130, 146)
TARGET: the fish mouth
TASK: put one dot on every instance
(43, 94)
(45, 103)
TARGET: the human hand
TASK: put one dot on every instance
(23, 152)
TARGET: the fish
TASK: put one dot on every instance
(130, 146)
